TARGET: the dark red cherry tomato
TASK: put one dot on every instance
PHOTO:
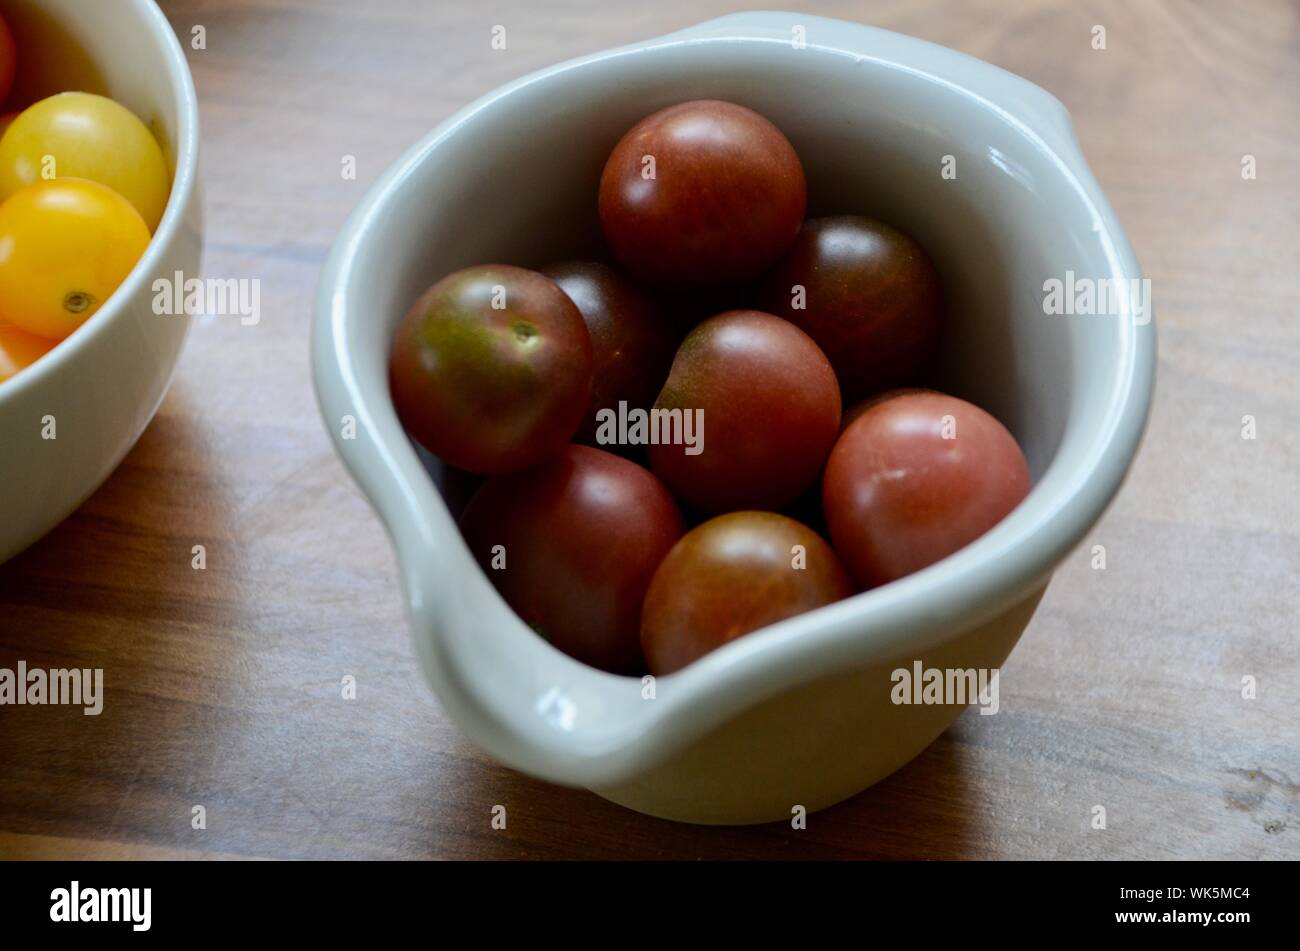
(732, 575)
(769, 407)
(703, 192)
(491, 369)
(870, 297)
(915, 478)
(581, 537)
(632, 343)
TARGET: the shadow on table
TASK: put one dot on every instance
(920, 812)
(115, 587)
(136, 533)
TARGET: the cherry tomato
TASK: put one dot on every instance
(65, 246)
(732, 575)
(6, 121)
(632, 345)
(703, 192)
(580, 538)
(19, 349)
(769, 407)
(91, 137)
(491, 369)
(915, 478)
(870, 297)
(8, 59)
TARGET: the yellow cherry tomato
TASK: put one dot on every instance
(19, 349)
(65, 246)
(80, 135)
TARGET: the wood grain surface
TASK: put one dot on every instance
(222, 685)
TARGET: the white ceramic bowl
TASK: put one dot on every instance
(799, 714)
(103, 383)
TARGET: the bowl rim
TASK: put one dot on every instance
(184, 181)
(1007, 565)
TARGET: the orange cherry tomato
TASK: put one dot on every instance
(65, 246)
(19, 350)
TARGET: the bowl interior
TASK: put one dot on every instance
(113, 49)
(124, 50)
(516, 183)
(513, 179)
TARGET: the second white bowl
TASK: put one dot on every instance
(97, 390)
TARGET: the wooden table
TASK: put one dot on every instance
(223, 684)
